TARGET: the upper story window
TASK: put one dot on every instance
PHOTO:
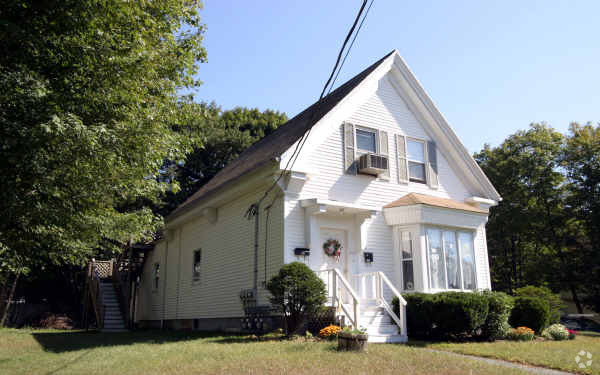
(451, 259)
(416, 160)
(197, 262)
(366, 140)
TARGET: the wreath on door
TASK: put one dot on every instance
(333, 248)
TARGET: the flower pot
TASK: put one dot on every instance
(351, 341)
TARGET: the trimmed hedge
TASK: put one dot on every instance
(456, 314)
(554, 300)
(530, 312)
(500, 306)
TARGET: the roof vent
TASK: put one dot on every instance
(372, 164)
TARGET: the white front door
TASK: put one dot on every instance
(340, 263)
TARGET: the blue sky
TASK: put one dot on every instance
(492, 67)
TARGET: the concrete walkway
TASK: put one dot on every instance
(500, 362)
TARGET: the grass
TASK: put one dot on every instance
(159, 352)
(552, 354)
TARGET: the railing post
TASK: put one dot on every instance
(334, 287)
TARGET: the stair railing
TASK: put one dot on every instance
(370, 287)
(95, 296)
(341, 294)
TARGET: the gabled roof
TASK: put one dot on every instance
(412, 199)
(276, 143)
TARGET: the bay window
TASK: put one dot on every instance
(451, 259)
(408, 278)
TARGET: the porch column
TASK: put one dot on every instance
(312, 233)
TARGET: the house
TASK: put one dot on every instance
(380, 173)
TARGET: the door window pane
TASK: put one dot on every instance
(468, 260)
(436, 259)
(365, 140)
(451, 260)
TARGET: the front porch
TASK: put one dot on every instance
(416, 244)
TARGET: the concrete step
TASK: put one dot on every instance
(389, 339)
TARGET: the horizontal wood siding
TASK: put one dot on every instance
(150, 299)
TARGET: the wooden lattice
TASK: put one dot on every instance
(103, 269)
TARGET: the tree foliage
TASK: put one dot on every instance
(223, 135)
(539, 233)
(88, 111)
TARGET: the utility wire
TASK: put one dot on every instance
(253, 209)
(349, 48)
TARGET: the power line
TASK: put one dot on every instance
(349, 48)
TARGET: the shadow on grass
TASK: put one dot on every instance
(66, 341)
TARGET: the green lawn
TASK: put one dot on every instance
(155, 352)
(553, 354)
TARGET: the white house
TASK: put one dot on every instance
(380, 171)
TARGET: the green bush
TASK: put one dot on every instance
(297, 292)
(554, 300)
(419, 313)
(500, 306)
(530, 312)
(556, 332)
(447, 314)
(459, 314)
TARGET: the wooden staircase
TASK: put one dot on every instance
(110, 291)
(113, 317)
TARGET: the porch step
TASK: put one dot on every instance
(388, 339)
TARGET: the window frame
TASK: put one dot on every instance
(424, 162)
(403, 260)
(196, 273)
(459, 249)
(156, 276)
(360, 151)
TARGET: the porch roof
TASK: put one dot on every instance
(429, 200)
(341, 207)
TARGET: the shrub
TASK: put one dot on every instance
(419, 313)
(444, 314)
(572, 334)
(556, 332)
(296, 292)
(531, 312)
(499, 308)
(459, 314)
(521, 334)
(546, 294)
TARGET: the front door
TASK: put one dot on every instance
(340, 262)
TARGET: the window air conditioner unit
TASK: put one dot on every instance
(372, 164)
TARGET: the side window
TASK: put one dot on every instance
(197, 264)
(415, 154)
(156, 275)
(408, 279)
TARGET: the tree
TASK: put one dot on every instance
(223, 135)
(582, 164)
(88, 111)
(531, 230)
(297, 292)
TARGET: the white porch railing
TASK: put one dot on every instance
(370, 287)
(341, 294)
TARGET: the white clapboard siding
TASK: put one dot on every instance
(227, 264)
(150, 299)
